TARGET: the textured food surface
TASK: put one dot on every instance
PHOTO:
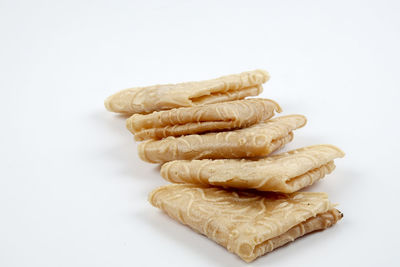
(257, 140)
(287, 172)
(200, 119)
(249, 224)
(319, 222)
(145, 100)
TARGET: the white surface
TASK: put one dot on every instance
(73, 191)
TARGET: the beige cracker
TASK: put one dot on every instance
(287, 172)
(257, 140)
(201, 119)
(167, 96)
(248, 224)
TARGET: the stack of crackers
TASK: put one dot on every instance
(214, 145)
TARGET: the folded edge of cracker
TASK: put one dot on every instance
(201, 119)
(147, 99)
(257, 140)
(248, 224)
(286, 172)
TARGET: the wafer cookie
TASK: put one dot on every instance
(246, 223)
(147, 99)
(287, 172)
(201, 119)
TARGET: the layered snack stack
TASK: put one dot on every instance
(215, 148)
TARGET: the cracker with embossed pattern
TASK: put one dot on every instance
(258, 140)
(249, 224)
(287, 172)
(145, 100)
(201, 119)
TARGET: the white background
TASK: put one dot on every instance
(73, 191)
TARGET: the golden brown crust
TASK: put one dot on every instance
(201, 119)
(258, 140)
(145, 100)
(249, 224)
(287, 172)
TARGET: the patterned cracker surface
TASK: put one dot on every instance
(246, 223)
(145, 100)
(257, 140)
(201, 119)
(287, 172)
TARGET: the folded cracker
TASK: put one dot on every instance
(249, 224)
(201, 119)
(287, 172)
(167, 96)
(258, 140)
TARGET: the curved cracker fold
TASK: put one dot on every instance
(145, 100)
(249, 224)
(287, 172)
(201, 119)
(258, 140)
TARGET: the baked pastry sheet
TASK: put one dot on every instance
(286, 172)
(248, 224)
(147, 99)
(258, 140)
